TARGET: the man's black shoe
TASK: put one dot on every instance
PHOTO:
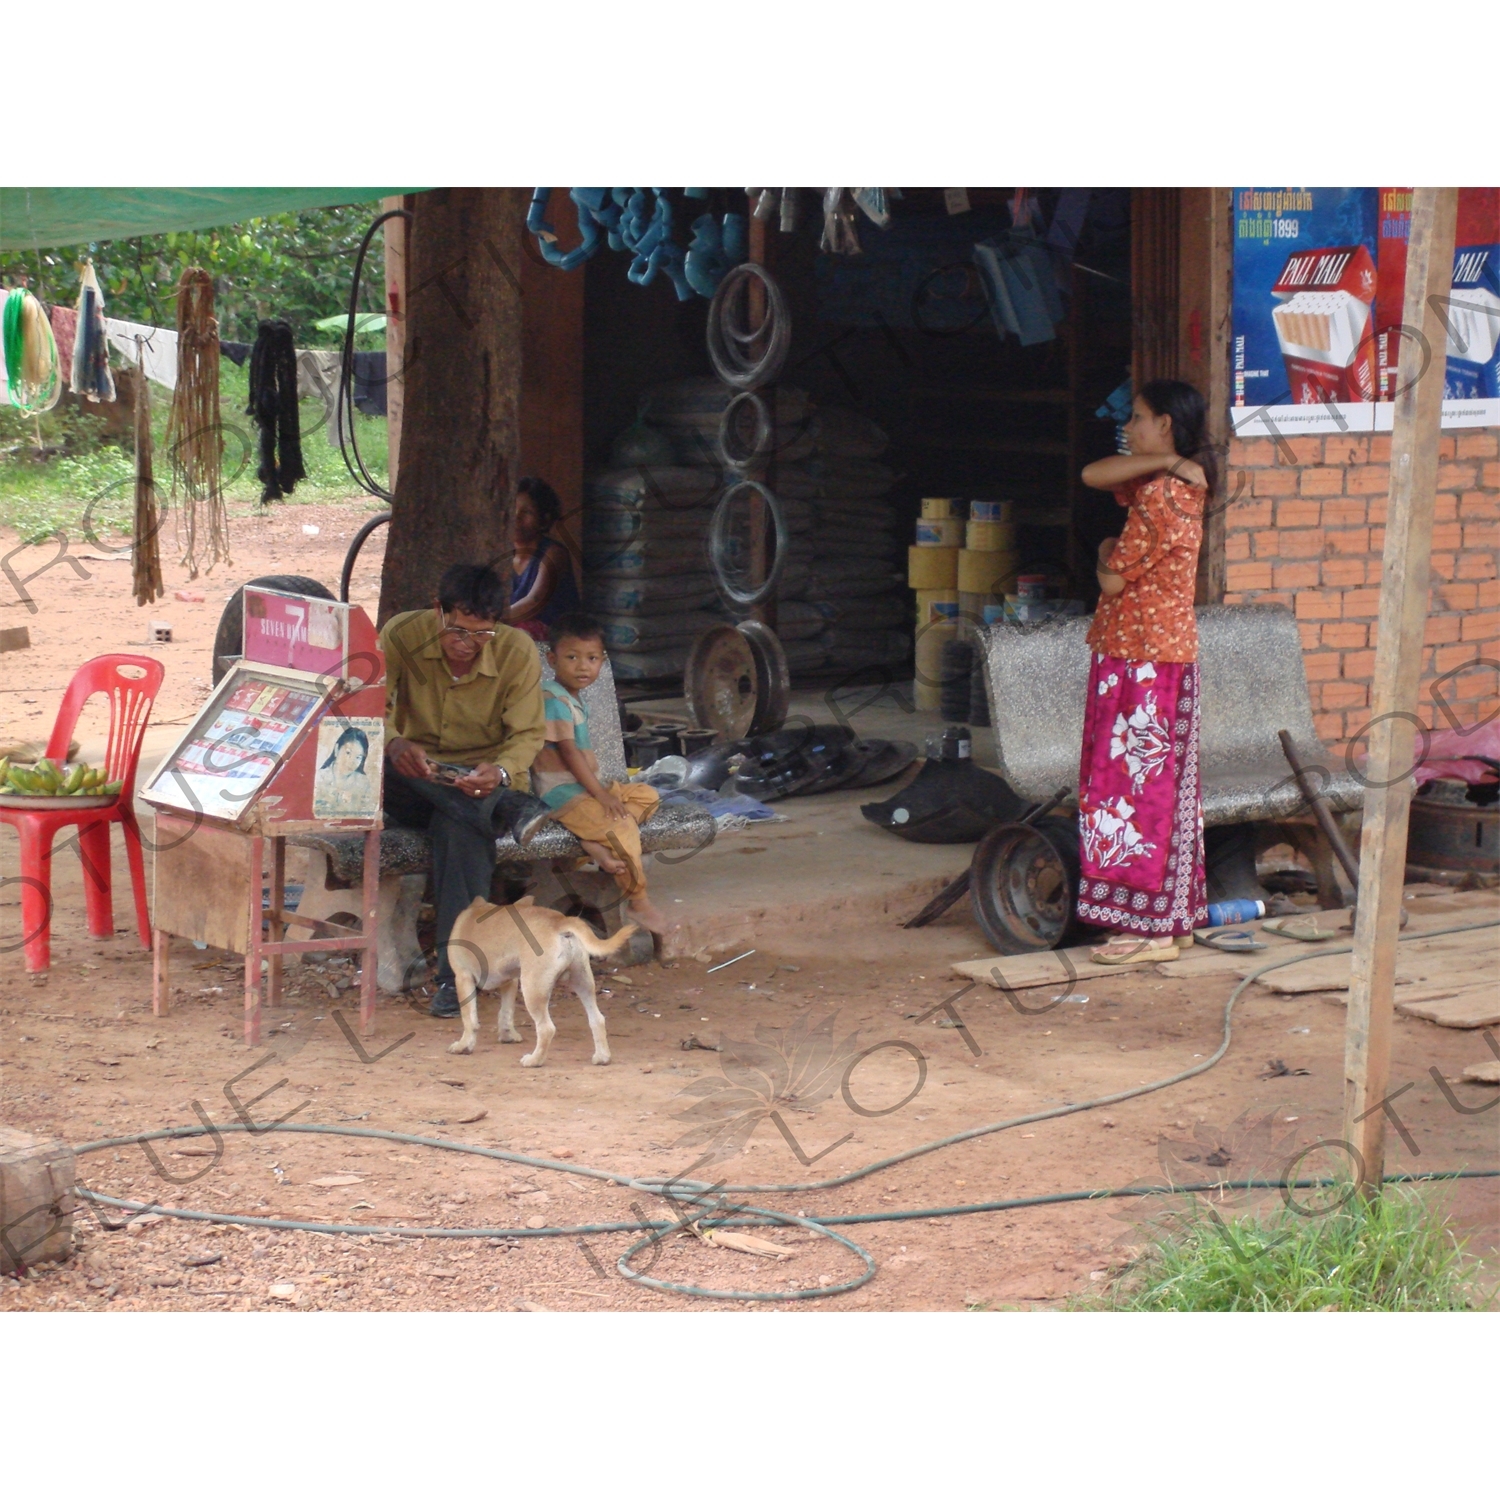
(445, 1002)
(525, 817)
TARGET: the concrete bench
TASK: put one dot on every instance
(335, 861)
(1253, 685)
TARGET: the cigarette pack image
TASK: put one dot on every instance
(1324, 325)
(1474, 324)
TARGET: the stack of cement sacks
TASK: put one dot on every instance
(647, 572)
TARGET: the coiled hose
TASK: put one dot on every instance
(714, 1213)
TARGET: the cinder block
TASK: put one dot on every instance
(36, 1200)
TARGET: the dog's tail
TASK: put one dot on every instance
(592, 944)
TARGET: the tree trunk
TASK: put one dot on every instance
(459, 433)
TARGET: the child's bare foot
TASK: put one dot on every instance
(645, 914)
(604, 857)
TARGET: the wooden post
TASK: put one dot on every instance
(757, 242)
(395, 333)
(1398, 660)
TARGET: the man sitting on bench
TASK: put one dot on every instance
(463, 722)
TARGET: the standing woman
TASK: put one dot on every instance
(542, 587)
(1140, 807)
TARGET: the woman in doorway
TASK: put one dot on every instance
(1140, 809)
(542, 587)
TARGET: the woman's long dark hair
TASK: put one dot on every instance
(544, 497)
(1188, 413)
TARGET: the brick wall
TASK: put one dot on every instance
(1307, 529)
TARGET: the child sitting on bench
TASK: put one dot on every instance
(606, 820)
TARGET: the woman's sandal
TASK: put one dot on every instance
(1128, 950)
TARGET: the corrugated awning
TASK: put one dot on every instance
(49, 218)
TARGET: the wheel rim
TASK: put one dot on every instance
(1022, 890)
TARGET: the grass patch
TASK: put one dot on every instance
(89, 494)
(1395, 1254)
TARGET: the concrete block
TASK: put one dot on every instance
(36, 1200)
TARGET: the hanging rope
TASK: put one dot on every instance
(273, 404)
(90, 374)
(31, 366)
(195, 437)
(145, 556)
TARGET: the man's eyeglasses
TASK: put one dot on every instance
(479, 637)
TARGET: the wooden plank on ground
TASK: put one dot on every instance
(1026, 971)
(1478, 1005)
(1462, 958)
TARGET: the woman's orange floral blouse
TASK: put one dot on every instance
(1157, 555)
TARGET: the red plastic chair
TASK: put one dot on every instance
(131, 683)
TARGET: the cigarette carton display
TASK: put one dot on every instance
(1323, 324)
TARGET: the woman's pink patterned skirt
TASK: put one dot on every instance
(1140, 812)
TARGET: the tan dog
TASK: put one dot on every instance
(501, 947)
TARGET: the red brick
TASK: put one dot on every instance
(1346, 450)
(1248, 575)
(1445, 508)
(1305, 450)
(1344, 512)
(1374, 568)
(1251, 452)
(1310, 636)
(1458, 595)
(1274, 482)
(1267, 543)
(1475, 505)
(1321, 666)
(1440, 629)
(1474, 565)
(1380, 448)
(1445, 658)
(1482, 625)
(1344, 572)
(1443, 565)
(1361, 603)
(1377, 511)
(1246, 515)
(1344, 695)
(1489, 476)
(1323, 481)
(1297, 575)
(1318, 604)
(1270, 596)
(1489, 594)
(1233, 598)
(1359, 666)
(1347, 633)
(1478, 445)
(1302, 543)
(1377, 540)
(1457, 476)
(1368, 479)
(1330, 727)
(1297, 513)
(1236, 546)
(1447, 537)
(1352, 541)
(1481, 536)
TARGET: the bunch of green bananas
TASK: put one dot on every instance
(45, 779)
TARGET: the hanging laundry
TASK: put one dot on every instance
(195, 429)
(90, 369)
(236, 354)
(64, 322)
(273, 404)
(153, 349)
(369, 382)
(1067, 219)
(145, 552)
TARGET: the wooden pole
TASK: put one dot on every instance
(394, 231)
(1398, 660)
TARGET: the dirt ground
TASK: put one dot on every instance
(82, 1058)
(83, 606)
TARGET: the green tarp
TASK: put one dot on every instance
(49, 218)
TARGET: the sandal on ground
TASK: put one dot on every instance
(1128, 950)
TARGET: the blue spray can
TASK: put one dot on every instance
(1227, 913)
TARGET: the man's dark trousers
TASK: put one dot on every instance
(462, 829)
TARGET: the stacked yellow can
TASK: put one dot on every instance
(988, 560)
(932, 571)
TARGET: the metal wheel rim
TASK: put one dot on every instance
(718, 539)
(1021, 890)
(716, 700)
(765, 433)
(773, 697)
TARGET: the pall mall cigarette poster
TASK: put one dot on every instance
(1319, 284)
